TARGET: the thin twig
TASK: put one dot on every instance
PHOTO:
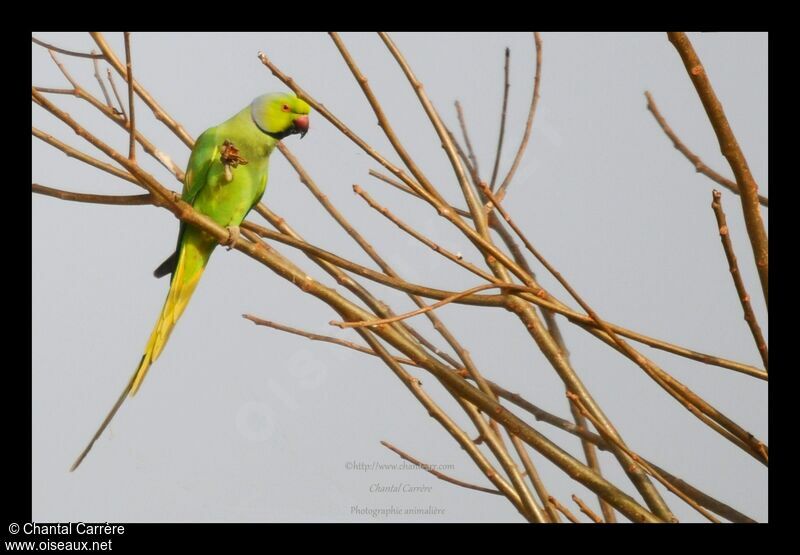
(698, 164)
(96, 65)
(501, 191)
(434, 472)
(78, 155)
(63, 70)
(318, 337)
(116, 93)
(67, 52)
(506, 86)
(748, 188)
(399, 185)
(566, 512)
(448, 300)
(733, 266)
(55, 91)
(462, 123)
(457, 258)
(125, 200)
(129, 78)
(586, 510)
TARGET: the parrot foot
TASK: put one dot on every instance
(233, 236)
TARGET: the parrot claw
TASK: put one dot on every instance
(233, 236)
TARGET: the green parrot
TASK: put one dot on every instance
(225, 179)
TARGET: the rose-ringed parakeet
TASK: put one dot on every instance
(226, 176)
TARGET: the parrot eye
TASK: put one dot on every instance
(285, 107)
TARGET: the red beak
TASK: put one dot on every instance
(301, 125)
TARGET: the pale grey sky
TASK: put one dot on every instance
(240, 423)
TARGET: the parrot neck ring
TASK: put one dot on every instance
(295, 128)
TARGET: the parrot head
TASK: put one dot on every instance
(280, 115)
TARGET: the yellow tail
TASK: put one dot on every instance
(180, 292)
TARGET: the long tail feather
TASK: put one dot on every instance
(194, 254)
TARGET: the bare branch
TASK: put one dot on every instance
(132, 116)
(566, 512)
(67, 52)
(586, 510)
(434, 472)
(698, 164)
(748, 188)
(125, 200)
(733, 266)
(506, 86)
(501, 191)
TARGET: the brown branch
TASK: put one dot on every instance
(322, 338)
(586, 510)
(67, 52)
(733, 266)
(506, 86)
(129, 78)
(440, 475)
(125, 200)
(448, 300)
(566, 512)
(501, 191)
(698, 164)
(748, 188)
(55, 91)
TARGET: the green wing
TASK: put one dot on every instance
(205, 151)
